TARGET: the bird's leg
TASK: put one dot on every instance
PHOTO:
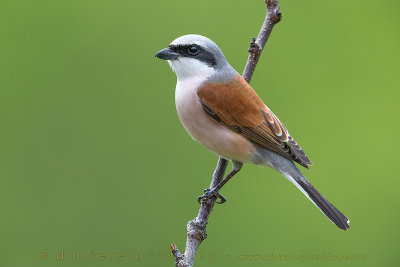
(214, 192)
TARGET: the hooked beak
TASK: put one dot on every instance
(167, 54)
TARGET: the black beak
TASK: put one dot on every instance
(167, 54)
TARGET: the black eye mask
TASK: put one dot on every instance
(200, 54)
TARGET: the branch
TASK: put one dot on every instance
(256, 46)
(196, 229)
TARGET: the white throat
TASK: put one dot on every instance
(189, 68)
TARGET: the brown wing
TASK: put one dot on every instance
(236, 105)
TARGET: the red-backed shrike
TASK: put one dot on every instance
(221, 111)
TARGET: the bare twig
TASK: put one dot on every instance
(196, 229)
(257, 45)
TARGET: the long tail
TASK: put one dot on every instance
(293, 174)
(324, 205)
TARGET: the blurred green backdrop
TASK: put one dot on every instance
(94, 160)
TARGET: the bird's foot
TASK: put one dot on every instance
(210, 193)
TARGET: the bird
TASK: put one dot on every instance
(221, 111)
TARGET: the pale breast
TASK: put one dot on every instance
(214, 136)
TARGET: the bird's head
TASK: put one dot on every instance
(194, 56)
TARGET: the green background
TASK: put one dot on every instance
(94, 159)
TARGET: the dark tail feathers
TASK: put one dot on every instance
(324, 205)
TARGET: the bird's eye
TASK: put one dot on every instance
(193, 50)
